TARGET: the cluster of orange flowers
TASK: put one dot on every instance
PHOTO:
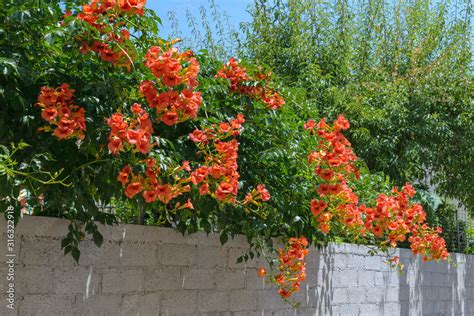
(59, 110)
(241, 82)
(172, 69)
(292, 267)
(427, 242)
(151, 186)
(218, 176)
(334, 161)
(106, 16)
(133, 132)
(395, 217)
(260, 193)
(391, 220)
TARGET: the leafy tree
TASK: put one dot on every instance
(400, 71)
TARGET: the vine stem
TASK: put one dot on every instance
(89, 163)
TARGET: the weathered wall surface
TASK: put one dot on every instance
(156, 271)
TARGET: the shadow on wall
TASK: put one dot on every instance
(436, 288)
(324, 291)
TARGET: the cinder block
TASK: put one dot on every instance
(163, 235)
(306, 312)
(36, 251)
(178, 255)
(441, 307)
(269, 299)
(339, 295)
(108, 255)
(356, 294)
(353, 262)
(370, 263)
(229, 279)
(446, 293)
(280, 312)
(128, 233)
(162, 278)
(33, 280)
(98, 304)
(344, 278)
(76, 280)
(211, 256)
(198, 279)
(3, 226)
(250, 313)
(44, 305)
(122, 280)
(379, 279)
(178, 302)
(370, 310)
(39, 226)
(365, 278)
(141, 304)
(213, 301)
(404, 293)
(315, 277)
(254, 282)
(391, 309)
(138, 254)
(242, 300)
(3, 278)
(300, 297)
(340, 261)
(391, 294)
(6, 311)
(374, 295)
(344, 310)
(313, 258)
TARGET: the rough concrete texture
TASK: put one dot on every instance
(156, 271)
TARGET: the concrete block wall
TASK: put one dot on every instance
(155, 271)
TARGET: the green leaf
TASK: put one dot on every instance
(76, 254)
(223, 238)
(98, 238)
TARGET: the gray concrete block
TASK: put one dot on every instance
(198, 279)
(178, 302)
(178, 255)
(122, 280)
(33, 280)
(370, 310)
(213, 301)
(269, 299)
(138, 254)
(140, 304)
(98, 304)
(162, 278)
(212, 256)
(339, 296)
(356, 294)
(40, 304)
(242, 300)
(254, 282)
(76, 280)
(229, 279)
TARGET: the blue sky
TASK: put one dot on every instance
(235, 9)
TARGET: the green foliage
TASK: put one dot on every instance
(399, 71)
(39, 47)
